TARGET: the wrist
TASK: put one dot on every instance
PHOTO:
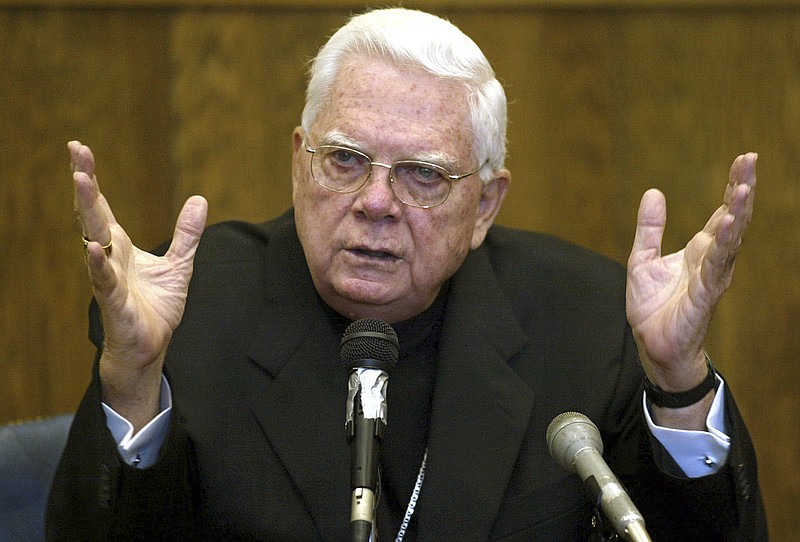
(684, 398)
(134, 393)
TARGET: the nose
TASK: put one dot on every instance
(376, 198)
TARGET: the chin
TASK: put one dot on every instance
(384, 308)
(365, 291)
(368, 306)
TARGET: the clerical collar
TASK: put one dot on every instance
(410, 333)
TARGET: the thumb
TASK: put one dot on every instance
(650, 224)
(188, 228)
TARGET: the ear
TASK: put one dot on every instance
(297, 138)
(298, 135)
(297, 154)
(492, 196)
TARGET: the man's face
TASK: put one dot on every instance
(370, 255)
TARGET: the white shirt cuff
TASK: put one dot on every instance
(141, 450)
(698, 453)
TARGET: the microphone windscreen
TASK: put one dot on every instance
(369, 343)
(568, 434)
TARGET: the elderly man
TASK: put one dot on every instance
(216, 410)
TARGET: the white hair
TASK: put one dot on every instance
(418, 40)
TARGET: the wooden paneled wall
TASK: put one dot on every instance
(605, 102)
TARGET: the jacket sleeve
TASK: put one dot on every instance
(724, 506)
(95, 496)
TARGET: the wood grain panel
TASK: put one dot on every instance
(555, 67)
(693, 91)
(64, 76)
(238, 92)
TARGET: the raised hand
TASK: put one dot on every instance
(141, 296)
(671, 299)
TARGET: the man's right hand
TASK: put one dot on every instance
(141, 296)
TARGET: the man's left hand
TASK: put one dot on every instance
(671, 299)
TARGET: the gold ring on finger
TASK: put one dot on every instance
(107, 247)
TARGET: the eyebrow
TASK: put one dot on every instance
(439, 158)
(336, 137)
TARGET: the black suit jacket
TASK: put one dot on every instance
(534, 327)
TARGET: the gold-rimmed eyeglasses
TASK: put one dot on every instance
(415, 183)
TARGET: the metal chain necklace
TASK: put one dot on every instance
(412, 502)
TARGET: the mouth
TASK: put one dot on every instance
(373, 254)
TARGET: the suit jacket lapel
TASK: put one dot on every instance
(303, 403)
(480, 412)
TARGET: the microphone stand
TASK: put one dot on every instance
(365, 436)
(575, 443)
(369, 348)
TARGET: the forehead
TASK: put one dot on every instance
(387, 108)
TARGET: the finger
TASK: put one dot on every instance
(742, 181)
(722, 250)
(76, 164)
(650, 224)
(81, 158)
(90, 205)
(91, 209)
(743, 170)
(729, 223)
(716, 270)
(102, 274)
(736, 218)
(188, 228)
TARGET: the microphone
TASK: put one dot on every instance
(369, 349)
(575, 443)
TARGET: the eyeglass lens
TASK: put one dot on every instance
(415, 183)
